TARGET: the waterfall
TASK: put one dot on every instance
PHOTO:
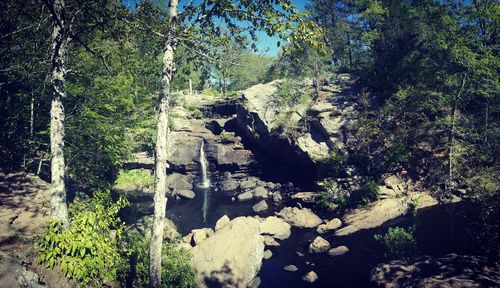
(205, 182)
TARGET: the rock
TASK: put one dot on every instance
(248, 184)
(319, 245)
(169, 230)
(234, 252)
(310, 277)
(277, 197)
(290, 268)
(177, 182)
(269, 241)
(188, 194)
(303, 218)
(392, 181)
(337, 251)
(275, 227)
(245, 196)
(268, 254)
(317, 151)
(446, 272)
(260, 192)
(377, 213)
(333, 224)
(29, 279)
(307, 197)
(221, 222)
(188, 238)
(261, 206)
(229, 185)
(255, 283)
(227, 155)
(201, 234)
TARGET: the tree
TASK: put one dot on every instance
(59, 54)
(193, 28)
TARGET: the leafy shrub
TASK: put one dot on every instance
(369, 192)
(140, 177)
(194, 110)
(176, 270)
(333, 166)
(398, 242)
(87, 251)
(330, 202)
(210, 92)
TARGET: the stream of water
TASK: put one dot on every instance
(205, 181)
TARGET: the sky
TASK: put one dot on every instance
(266, 44)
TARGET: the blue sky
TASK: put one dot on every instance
(266, 44)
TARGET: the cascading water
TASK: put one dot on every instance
(205, 182)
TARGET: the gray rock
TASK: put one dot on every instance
(333, 224)
(245, 196)
(275, 227)
(235, 252)
(269, 241)
(298, 217)
(29, 279)
(319, 245)
(221, 222)
(277, 197)
(188, 194)
(310, 277)
(268, 254)
(229, 185)
(200, 235)
(248, 184)
(260, 206)
(337, 251)
(290, 268)
(260, 192)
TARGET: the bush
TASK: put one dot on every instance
(139, 177)
(176, 270)
(330, 202)
(398, 242)
(87, 251)
(227, 137)
(333, 166)
(194, 110)
(369, 192)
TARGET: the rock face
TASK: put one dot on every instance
(221, 222)
(447, 272)
(381, 211)
(334, 112)
(303, 218)
(275, 227)
(319, 245)
(232, 255)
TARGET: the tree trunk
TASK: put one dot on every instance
(58, 189)
(190, 87)
(160, 201)
(451, 137)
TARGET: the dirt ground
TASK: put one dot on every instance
(24, 213)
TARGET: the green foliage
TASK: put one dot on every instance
(193, 109)
(87, 251)
(398, 242)
(330, 202)
(368, 192)
(176, 270)
(139, 177)
(333, 166)
(227, 137)
(210, 92)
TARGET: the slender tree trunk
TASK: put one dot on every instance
(160, 201)
(59, 42)
(190, 87)
(451, 136)
(32, 114)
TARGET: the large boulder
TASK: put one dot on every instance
(319, 245)
(303, 218)
(379, 212)
(275, 227)
(232, 255)
(333, 224)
